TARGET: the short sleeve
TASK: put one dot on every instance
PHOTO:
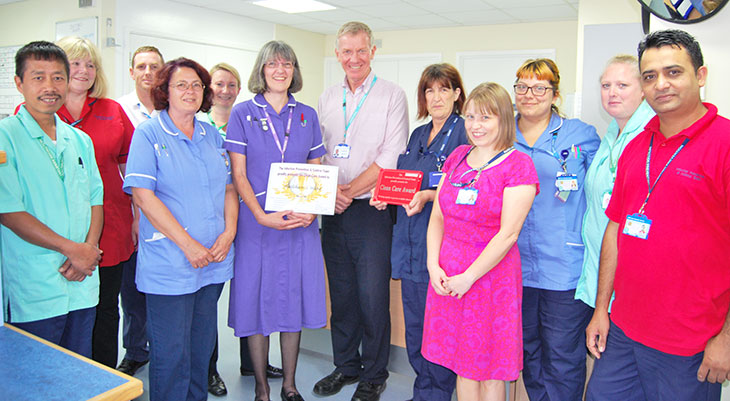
(96, 186)
(523, 172)
(142, 162)
(317, 149)
(11, 196)
(236, 139)
(128, 130)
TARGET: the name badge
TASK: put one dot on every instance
(606, 199)
(434, 177)
(342, 151)
(467, 196)
(637, 225)
(566, 182)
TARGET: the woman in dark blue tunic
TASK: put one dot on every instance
(441, 95)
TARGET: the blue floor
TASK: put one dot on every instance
(315, 362)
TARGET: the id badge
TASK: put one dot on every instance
(606, 199)
(637, 225)
(467, 196)
(566, 182)
(434, 177)
(342, 151)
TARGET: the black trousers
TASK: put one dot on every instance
(356, 246)
(104, 341)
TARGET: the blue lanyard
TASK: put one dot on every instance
(75, 123)
(648, 159)
(564, 159)
(357, 109)
(282, 150)
(440, 155)
(478, 170)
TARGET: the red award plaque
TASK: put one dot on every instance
(397, 187)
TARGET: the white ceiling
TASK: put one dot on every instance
(389, 15)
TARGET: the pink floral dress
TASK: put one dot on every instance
(479, 336)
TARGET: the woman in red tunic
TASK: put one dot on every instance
(473, 323)
(104, 120)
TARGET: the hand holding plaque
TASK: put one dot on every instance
(397, 187)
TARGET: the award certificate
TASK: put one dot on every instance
(302, 188)
(397, 187)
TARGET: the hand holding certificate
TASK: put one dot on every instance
(302, 188)
(397, 187)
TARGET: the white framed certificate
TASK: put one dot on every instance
(302, 188)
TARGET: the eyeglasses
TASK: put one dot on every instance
(521, 89)
(182, 86)
(275, 64)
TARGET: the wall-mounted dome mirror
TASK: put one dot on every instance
(683, 11)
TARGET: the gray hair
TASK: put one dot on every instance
(353, 28)
(627, 59)
(271, 51)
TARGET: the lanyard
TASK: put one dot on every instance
(221, 128)
(357, 109)
(59, 168)
(478, 170)
(75, 123)
(286, 133)
(648, 159)
(562, 160)
(440, 155)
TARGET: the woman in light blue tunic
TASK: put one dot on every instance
(622, 98)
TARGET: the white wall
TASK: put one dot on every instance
(202, 32)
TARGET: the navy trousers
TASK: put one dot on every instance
(554, 342)
(134, 335)
(71, 331)
(433, 382)
(182, 331)
(356, 247)
(630, 371)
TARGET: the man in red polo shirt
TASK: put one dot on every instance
(666, 250)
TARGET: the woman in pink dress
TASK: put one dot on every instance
(473, 324)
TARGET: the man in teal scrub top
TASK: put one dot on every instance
(50, 208)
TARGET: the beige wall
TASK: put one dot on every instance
(308, 47)
(449, 41)
(31, 20)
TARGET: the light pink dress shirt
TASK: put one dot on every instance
(378, 134)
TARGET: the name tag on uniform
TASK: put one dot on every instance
(566, 182)
(606, 200)
(467, 196)
(434, 177)
(342, 151)
(637, 225)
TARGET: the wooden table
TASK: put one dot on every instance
(34, 369)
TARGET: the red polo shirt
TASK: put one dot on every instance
(673, 288)
(111, 131)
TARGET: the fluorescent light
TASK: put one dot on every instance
(294, 6)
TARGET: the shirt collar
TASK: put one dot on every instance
(636, 122)
(260, 101)
(365, 84)
(170, 129)
(32, 127)
(697, 128)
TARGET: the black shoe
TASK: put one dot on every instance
(332, 384)
(290, 396)
(216, 385)
(367, 391)
(272, 372)
(130, 367)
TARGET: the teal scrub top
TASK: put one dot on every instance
(599, 181)
(33, 289)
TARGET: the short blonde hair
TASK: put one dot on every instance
(543, 68)
(76, 48)
(226, 67)
(627, 59)
(353, 28)
(491, 98)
